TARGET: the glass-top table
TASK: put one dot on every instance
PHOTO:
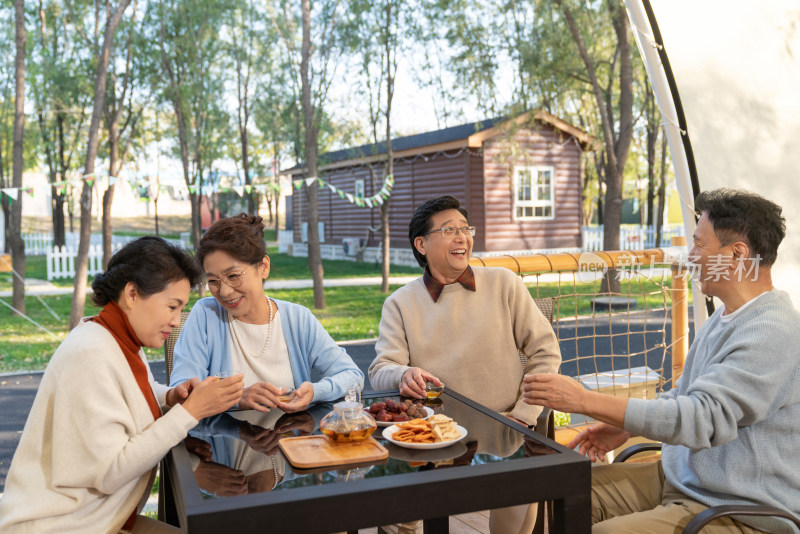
(231, 476)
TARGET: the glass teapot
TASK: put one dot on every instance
(348, 422)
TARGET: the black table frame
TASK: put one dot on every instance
(564, 478)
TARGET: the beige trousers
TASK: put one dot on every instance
(636, 499)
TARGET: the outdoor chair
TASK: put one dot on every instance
(715, 512)
(169, 344)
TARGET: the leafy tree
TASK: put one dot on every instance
(121, 112)
(190, 46)
(61, 92)
(313, 61)
(112, 20)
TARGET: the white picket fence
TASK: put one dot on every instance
(61, 260)
(631, 237)
(39, 244)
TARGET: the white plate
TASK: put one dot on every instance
(389, 432)
(390, 423)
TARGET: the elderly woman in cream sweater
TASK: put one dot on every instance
(100, 424)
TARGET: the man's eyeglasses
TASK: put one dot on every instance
(232, 280)
(451, 231)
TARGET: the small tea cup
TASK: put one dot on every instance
(432, 390)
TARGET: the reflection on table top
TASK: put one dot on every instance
(237, 453)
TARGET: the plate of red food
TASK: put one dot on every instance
(389, 412)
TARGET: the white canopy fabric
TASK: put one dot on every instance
(736, 73)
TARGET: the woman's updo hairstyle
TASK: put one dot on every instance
(150, 263)
(240, 236)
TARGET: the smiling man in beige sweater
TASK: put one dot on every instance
(465, 327)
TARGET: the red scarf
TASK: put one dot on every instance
(113, 319)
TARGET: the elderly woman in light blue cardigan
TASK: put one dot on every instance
(274, 344)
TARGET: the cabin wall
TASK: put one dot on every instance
(541, 147)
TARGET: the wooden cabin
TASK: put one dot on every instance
(520, 179)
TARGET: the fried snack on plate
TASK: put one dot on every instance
(443, 428)
(437, 429)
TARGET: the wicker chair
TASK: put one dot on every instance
(169, 344)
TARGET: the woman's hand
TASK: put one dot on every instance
(259, 439)
(302, 422)
(412, 383)
(599, 439)
(181, 392)
(220, 479)
(555, 391)
(198, 447)
(301, 398)
(214, 395)
(261, 396)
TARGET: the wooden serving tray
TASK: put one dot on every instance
(319, 451)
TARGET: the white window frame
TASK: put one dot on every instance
(533, 203)
(358, 191)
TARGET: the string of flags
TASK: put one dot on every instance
(369, 202)
(142, 187)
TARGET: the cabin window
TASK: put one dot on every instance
(359, 189)
(534, 193)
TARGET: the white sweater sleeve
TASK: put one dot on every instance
(103, 432)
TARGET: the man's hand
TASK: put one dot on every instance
(599, 439)
(558, 392)
(412, 383)
(301, 398)
(181, 392)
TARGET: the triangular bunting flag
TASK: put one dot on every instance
(341, 194)
(333, 189)
(11, 192)
(90, 181)
(192, 188)
(321, 182)
(378, 200)
(368, 202)
(248, 188)
(29, 191)
(298, 184)
(349, 197)
(310, 180)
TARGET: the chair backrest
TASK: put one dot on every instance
(169, 344)
(545, 305)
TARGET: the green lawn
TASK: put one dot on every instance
(283, 267)
(351, 313)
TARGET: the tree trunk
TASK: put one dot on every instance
(82, 260)
(108, 195)
(59, 224)
(312, 190)
(384, 209)
(15, 224)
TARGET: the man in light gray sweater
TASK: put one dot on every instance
(730, 425)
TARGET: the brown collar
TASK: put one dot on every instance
(434, 287)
